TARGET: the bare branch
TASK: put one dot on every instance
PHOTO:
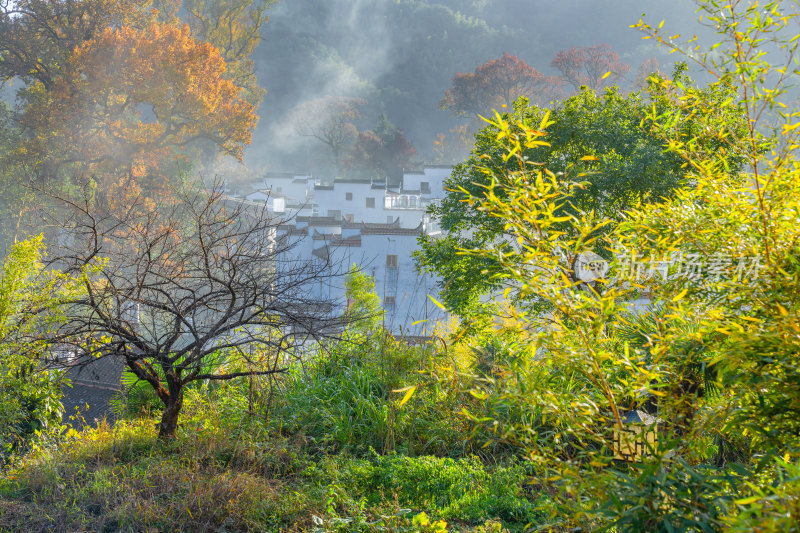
(175, 288)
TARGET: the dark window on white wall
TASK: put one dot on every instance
(370, 202)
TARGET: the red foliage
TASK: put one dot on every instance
(496, 83)
(378, 156)
(587, 66)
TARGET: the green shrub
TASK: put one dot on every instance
(31, 393)
(347, 401)
(663, 497)
(773, 503)
(454, 489)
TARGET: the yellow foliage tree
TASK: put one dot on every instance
(131, 100)
(39, 36)
(233, 26)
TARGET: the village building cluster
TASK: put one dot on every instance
(367, 223)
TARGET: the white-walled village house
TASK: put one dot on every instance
(367, 223)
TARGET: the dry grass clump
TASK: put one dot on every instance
(107, 479)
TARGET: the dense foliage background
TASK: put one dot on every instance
(659, 391)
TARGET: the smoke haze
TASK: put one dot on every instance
(400, 56)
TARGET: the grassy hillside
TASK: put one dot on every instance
(334, 453)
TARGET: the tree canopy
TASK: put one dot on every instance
(595, 67)
(38, 37)
(380, 153)
(496, 84)
(234, 28)
(121, 90)
(111, 111)
(601, 142)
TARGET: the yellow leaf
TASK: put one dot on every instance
(680, 295)
(607, 74)
(545, 120)
(532, 144)
(439, 305)
(589, 158)
(783, 310)
(409, 393)
(459, 336)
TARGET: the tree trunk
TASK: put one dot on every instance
(169, 418)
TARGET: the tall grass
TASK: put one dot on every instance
(347, 400)
(228, 469)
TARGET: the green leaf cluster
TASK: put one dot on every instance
(28, 298)
(604, 146)
(712, 354)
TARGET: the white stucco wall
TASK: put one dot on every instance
(368, 247)
(297, 189)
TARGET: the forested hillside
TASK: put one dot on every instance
(400, 55)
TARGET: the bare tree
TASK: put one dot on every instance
(183, 290)
(330, 121)
(593, 66)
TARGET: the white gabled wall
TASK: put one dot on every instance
(394, 220)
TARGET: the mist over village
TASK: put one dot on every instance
(488, 266)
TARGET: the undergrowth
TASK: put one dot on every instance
(229, 470)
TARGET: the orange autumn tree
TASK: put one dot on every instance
(234, 27)
(37, 37)
(497, 83)
(131, 102)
